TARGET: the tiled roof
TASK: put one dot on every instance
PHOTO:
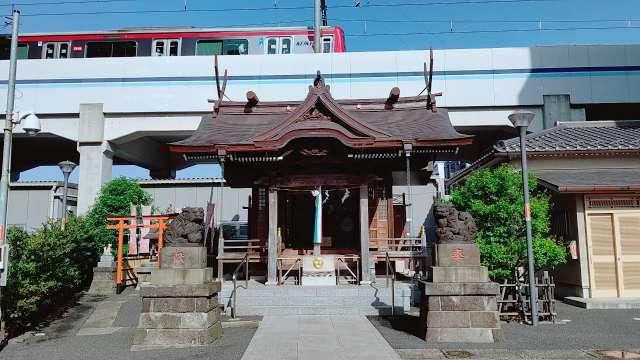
(269, 125)
(580, 136)
(588, 180)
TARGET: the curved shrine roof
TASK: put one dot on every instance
(356, 123)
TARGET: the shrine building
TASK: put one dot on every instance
(321, 174)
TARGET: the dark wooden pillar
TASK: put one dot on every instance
(364, 235)
(273, 238)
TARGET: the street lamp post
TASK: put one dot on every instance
(67, 168)
(522, 120)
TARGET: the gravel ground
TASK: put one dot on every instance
(59, 340)
(588, 329)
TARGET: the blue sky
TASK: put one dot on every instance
(374, 25)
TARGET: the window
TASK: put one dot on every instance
(56, 50)
(327, 44)
(63, 51)
(235, 47)
(209, 47)
(5, 50)
(111, 49)
(124, 49)
(158, 48)
(285, 46)
(272, 46)
(166, 47)
(23, 51)
(49, 51)
(174, 47)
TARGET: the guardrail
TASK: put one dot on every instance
(234, 278)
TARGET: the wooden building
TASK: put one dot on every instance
(345, 149)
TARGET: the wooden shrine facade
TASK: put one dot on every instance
(348, 150)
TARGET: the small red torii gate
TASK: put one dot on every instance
(122, 223)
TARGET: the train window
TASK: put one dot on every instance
(327, 44)
(23, 52)
(63, 51)
(50, 51)
(235, 47)
(285, 45)
(174, 48)
(111, 49)
(158, 48)
(124, 49)
(272, 45)
(166, 47)
(5, 50)
(56, 50)
(209, 47)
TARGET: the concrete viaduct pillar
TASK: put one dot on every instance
(96, 155)
(558, 108)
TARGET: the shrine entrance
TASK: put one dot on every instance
(340, 229)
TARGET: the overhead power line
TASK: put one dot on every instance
(259, 9)
(471, 21)
(64, 2)
(494, 31)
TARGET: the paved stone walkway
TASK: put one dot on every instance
(318, 337)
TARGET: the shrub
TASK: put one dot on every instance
(116, 198)
(494, 198)
(46, 268)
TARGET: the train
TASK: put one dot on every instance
(183, 41)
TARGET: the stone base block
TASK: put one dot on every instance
(464, 335)
(460, 274)
(191, 320)
(181, 276)
(457, 255)
(183, 257)
(145, 339)
(181, 290)
(179, 305)
(456, 289)
(103, 282)
(461, 303)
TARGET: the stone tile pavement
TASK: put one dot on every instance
(318, 337)
(102, 328)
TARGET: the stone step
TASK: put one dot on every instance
(321, 300)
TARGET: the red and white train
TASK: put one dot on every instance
(173, 42)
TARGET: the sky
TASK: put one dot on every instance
(370, 25)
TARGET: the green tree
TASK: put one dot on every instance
(46, 268)
(116, 198)
(494, 198)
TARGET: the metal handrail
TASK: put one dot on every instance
(234, 278)
(341, 259)
(393, 282)
(298, 262)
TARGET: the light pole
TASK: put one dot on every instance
(522, 120)
(67, 168)
(31, 125)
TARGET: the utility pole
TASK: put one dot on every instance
(317, 24)
(6, 160)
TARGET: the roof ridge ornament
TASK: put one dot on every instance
(428, 82)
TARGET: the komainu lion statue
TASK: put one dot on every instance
(187, 228)
(453, 226)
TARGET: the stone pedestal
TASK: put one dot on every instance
(180, 305)
(318, 270)
(460, 302)
(104, 281)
